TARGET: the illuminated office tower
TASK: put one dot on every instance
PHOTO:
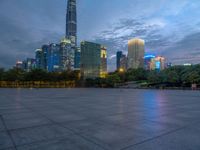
(19, 65)
(71, 22)
(53, 58)
(93, 60)
(148, 61)
(103, 65)
(158, 63)
(66, 55)
(136, 53)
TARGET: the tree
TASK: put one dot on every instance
(194, 77)
(14, 74)
(136, 74)
(37, 75)
(1, 73)
(112, 80)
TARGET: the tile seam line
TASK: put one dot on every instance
(74, 132)
(8, 132)
(153, 138)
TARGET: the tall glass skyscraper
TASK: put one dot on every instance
(71, 22)
(66, 55)
(93, 60)
(118, 56)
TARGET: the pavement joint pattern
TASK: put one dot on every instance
(99, 119)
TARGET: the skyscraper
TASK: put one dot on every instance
(158, 63)
(135, 53)
(93, 60)
(66, 55)
(39, 59)
(77, 58)
(123, 63)
(71, 22)
(103, 65)
(118, 57)
(53, 58)
(148, 61)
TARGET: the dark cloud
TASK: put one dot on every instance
(22, 32)
(187, 50)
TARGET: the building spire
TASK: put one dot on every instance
(71, 22)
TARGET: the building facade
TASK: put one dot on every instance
(103, 65)
(39, 59)
(53, 58)
(148, 61)
(77, 58)
(118, 57)
(66, 55)
(93, 60)
(19, 65)
(136, 52)
(45, 50)
(71, 22)
(29, 64)
(123, 63)
(157, 63)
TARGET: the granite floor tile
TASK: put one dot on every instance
(5, 141)
(37, 134)
(73, 142)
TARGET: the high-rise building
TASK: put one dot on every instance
(123, 63)
(19, 65)
(45, 50)
(71, 33)
(148, 61)
(93, 60)
(66, 55)
(118, 57)
(136, 53)
(103, 65)
(71, 22)
(77, 58)
(158, 63)
(29, 64)
(39, 59)
(53, 58)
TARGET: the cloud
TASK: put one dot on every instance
(116, 38)
(187, 50)
(22, 31)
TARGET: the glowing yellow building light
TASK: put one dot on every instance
(121, 70)
(103, 74)
(103, 54)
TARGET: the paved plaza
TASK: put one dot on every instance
(99, 119)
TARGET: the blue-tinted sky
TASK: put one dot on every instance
(170, 27)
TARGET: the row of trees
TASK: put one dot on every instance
(37, 75)
(177, 76)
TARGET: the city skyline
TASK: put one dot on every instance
(169, 28)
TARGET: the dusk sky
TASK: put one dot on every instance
(171, 28)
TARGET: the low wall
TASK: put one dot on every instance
(37, 84)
